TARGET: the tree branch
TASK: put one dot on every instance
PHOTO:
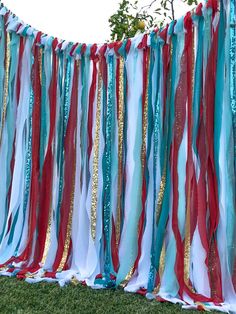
(172, 9)
(147, 6)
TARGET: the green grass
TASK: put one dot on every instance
(22, 298)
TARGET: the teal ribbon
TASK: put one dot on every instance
(197, 78)
(219, 92)
(165, 147)
(85, 68)
(45, 103)
(107, 162)
(62, 126)
(155, 119)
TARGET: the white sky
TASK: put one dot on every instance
(73, 20)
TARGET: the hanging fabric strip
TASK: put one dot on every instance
(118, 160)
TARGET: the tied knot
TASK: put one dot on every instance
(54, 44)
(103, 50)
(199, 10)
(163, 33)
(73, 49)
(38, 38)
(143, 43)
(117, 46)
(93, 53)
(188, 23)
(212, 4)
(83, 49)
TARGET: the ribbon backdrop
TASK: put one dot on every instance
(118, 161)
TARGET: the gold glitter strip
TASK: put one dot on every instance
(69, 226)
(96, 162)
(162, 260)
(127, 278)
(145, 114)
(6, 82)
(161, 191)
(187, 239)
(48, 236)
(212, 269)
(161, 268)
(40, 64)
(120, 147)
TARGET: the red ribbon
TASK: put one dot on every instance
(69, 157)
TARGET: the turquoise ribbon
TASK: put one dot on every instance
(197, 78)
(62, 126)
(155, 53)
(107, 162)
(45, 103)
(219, 92)
(169, 122)
(85, 68)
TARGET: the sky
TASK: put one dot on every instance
(73, 20)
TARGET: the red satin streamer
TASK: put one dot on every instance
(191, 181)
(103, 67)
(47, 171)
(34, 187)
(74, 100)
(190, 170)
(70, 157)
(213, 256)
(201, 184)
(179, 124)
(183, 96)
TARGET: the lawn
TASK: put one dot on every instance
(22, 298)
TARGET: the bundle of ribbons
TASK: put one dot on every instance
(118, 161)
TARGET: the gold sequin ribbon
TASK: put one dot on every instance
(69, 225)
(96, 161)
(120, 147)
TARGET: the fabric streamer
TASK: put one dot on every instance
(118, 160)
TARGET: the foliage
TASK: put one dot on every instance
(131, 18)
